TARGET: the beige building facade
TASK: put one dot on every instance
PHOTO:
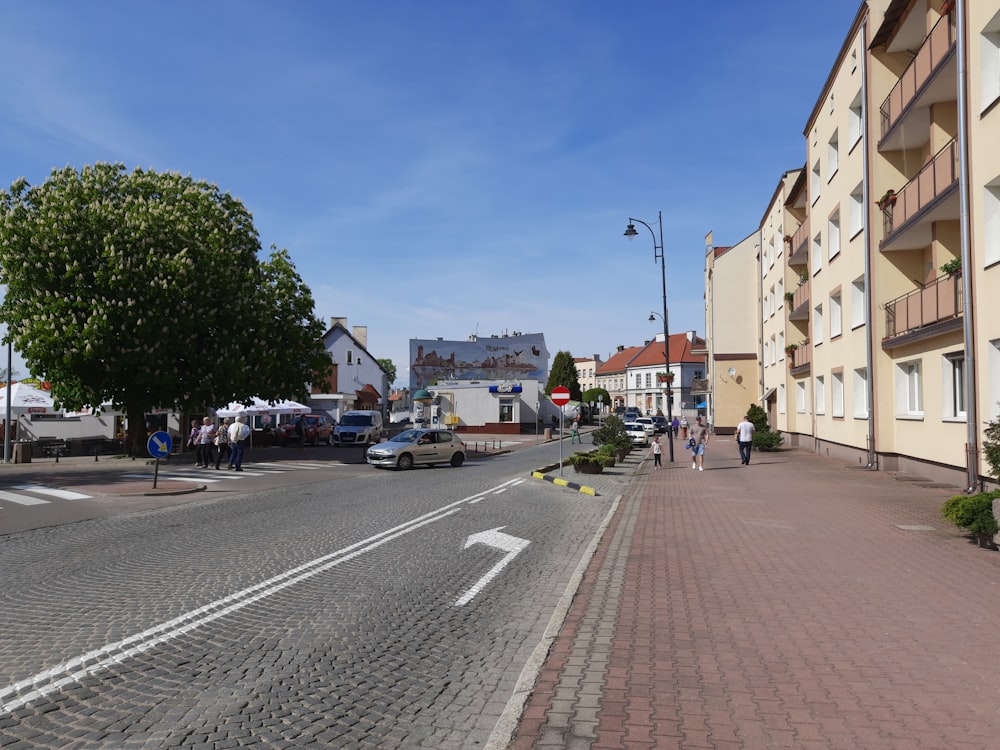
(879, 337)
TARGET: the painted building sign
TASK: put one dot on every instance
(495, 358)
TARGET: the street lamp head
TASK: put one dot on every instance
(652, 317)
(630, 231)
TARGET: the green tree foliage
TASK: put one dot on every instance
(598, 396)
(390, 370)
(763, 438)
(991, 447)
(145, 290)
(563, 373)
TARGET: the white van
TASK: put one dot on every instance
(359, 428)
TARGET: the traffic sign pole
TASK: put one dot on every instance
(560, 397)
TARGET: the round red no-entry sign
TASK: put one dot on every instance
(560, 395)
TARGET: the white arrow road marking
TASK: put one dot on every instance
(492, 538)
(16, 695)
(160, 445)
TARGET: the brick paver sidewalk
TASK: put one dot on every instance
(797, 602)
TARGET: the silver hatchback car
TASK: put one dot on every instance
(420, 446)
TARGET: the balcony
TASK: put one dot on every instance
(798, 253)
(930, 311)
(799, 307)
(932, 195)
(927, 80)
(800, 361)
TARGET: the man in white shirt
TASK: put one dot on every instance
(744, 438)
(239, 431)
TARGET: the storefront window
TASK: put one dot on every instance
(506, 410)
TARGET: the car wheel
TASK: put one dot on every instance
(457, 460)
(405, 462)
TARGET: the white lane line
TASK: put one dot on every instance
(18, 694)
(43, 490)
(21, 499)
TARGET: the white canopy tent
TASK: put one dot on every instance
(259, 407)
(26, 399)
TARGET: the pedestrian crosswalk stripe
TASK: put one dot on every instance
(21, 499)
(61, 494)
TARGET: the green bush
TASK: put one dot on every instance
(766, 440)
(991, 447)
(595, 461)
(612, 432)
(974, 513)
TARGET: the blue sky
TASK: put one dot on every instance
(443, 168)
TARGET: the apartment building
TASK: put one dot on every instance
(891, 238)
(586, 371)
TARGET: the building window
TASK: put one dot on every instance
(837, 394)
(800, 397)
(953, 380)
(989, 63)
(780, 292)
(820, 395)
(993, 359)
(833, 155)
(774, 351)
(833, 236)
(781, 345)
(814, 182)
(649, 379)
(909, 398)
(781, 398)
(767, 352)
(350, 357)
(854, 121)
(856, 211)
(991, 223)
(816, 254)
(506, 410)
(861, 393)
(836, 322)
(858, 302)
(817, 333)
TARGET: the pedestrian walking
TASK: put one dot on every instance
(194, 435)
(222, 443)
(299, 428)
(675, 426)
(657, 452)
(239, 431)
(574, 432)
(684, 427)
(206, 438)
(744, 438)
(699, 434)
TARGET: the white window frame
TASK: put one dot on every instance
(815, 180)
(820, 394)
(909, 390)
(833, 235)
(989, 63)
(861, 393)
(782, 397)
(837, 394)
(858, 311)
(816, 255)
(855, 113)
(953, 397)
(832, 154)
(856, 212)
(800, 396)
(836, 316)
(781, 346)
(991, 222)
(817, 325)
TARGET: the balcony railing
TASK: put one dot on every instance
(939, 175)
(798, 254)
(938, 301)
(802, 356)
(932, 53)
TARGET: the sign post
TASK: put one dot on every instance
(560, 397)
(159, 446)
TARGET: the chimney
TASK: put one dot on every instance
(361, 334)
(620, 349)
(335, 321)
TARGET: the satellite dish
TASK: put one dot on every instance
(732, 371)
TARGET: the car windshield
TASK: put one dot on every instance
(355, 420)
(407, 436)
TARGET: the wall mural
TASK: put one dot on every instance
(496, 358)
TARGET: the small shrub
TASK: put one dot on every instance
(767, 440)
(991, 447)
(974, 513)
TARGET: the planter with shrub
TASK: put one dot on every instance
(591, 463)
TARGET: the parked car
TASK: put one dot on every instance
(647, 425)
(418, 446)
(637, 432)
(318, 429)
(359, 428)
(660, 424)
(631, 415)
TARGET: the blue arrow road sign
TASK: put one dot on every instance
(159, 445)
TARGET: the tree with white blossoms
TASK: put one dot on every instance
(146, 290)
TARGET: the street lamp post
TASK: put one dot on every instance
(658, 256)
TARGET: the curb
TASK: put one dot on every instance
(157, 492)
(540, 474)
